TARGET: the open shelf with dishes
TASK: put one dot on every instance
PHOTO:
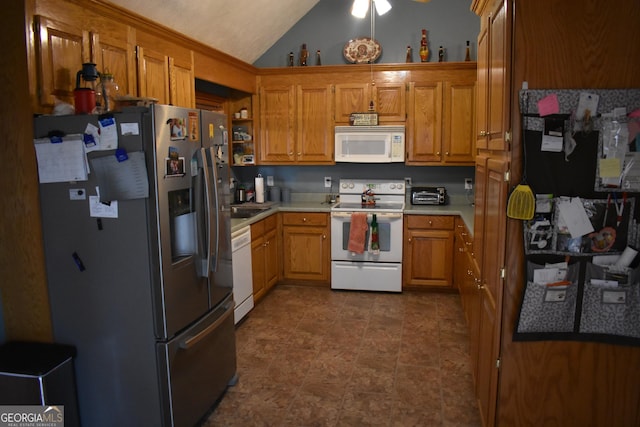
(242, 129)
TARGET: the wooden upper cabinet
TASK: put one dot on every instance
(153, 75)
(351, 98)
(482, 124)
(389, 100)
(315, 132)
(441, 124)
(459, 122)
(277, 124)
(166, 78)
(493, 104)
(423, 131)
(296, 124)
(114, 53)
(61, 49)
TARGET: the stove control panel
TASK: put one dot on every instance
(377, 186)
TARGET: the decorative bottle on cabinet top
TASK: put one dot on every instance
(424, 47)
(409, 55)
(467, 55)
(304, 54)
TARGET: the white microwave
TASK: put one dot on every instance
(369, 144)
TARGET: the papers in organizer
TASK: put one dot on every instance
(61, 159)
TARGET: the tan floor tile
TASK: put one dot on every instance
(311, 356)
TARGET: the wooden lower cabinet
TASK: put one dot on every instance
(428, 251)
(264, 255)
(306, 246)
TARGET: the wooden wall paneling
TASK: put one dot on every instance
(226, 72)
(22, 273)
(570, 44)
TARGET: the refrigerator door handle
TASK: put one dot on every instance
(215, 237)
(205, 260)
(195, 339)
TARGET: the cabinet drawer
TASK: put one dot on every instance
(429, 222)
(304, 218)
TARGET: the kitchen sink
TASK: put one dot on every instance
(246, 212)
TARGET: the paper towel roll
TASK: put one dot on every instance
(627, 257)
(259, 189)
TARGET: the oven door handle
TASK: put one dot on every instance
(379, 215)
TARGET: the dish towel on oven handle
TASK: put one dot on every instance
(358, 232)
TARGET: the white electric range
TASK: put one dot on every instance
(370, 270)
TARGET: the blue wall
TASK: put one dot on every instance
(329, 26)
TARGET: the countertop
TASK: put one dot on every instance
(457, 206)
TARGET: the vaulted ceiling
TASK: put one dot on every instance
(244, 29)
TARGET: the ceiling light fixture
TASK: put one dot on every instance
(361, 7)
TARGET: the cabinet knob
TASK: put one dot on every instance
(468, 243)
(483, 133)
(409, 240)
(430, 222)
(290, 153)
(446, 153)
(437, 153)
(299, 154)
(324, 236)
(304, 219)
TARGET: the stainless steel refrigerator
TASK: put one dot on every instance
(141, 284)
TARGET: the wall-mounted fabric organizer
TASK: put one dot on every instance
(586, 302)
(577, 306)
(607, 171)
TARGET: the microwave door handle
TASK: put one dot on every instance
(214, 234)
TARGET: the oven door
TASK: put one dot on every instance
(389, 236)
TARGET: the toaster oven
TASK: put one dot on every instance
(428, 196)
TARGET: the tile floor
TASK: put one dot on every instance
(315, 357)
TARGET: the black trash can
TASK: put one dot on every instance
(33, 373)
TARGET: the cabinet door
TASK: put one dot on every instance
(424, 124)
(459, 123)
(482, 124)
(390, 102)
(277, 124)
(314, 112)
(182, 82)
(499, 79)
(351, 98)
(258, 267)
(61, 50)
(114, 52)
(429, 259)
(271, 258)
(306, 253)
(153, 75)
(493, 259)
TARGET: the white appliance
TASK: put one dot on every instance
(368, 271)
(369, 144)
(242, 276)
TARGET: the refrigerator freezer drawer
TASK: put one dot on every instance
(197, 365)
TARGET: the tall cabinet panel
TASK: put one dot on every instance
(424, 124)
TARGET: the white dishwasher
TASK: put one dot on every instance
(242, 276)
